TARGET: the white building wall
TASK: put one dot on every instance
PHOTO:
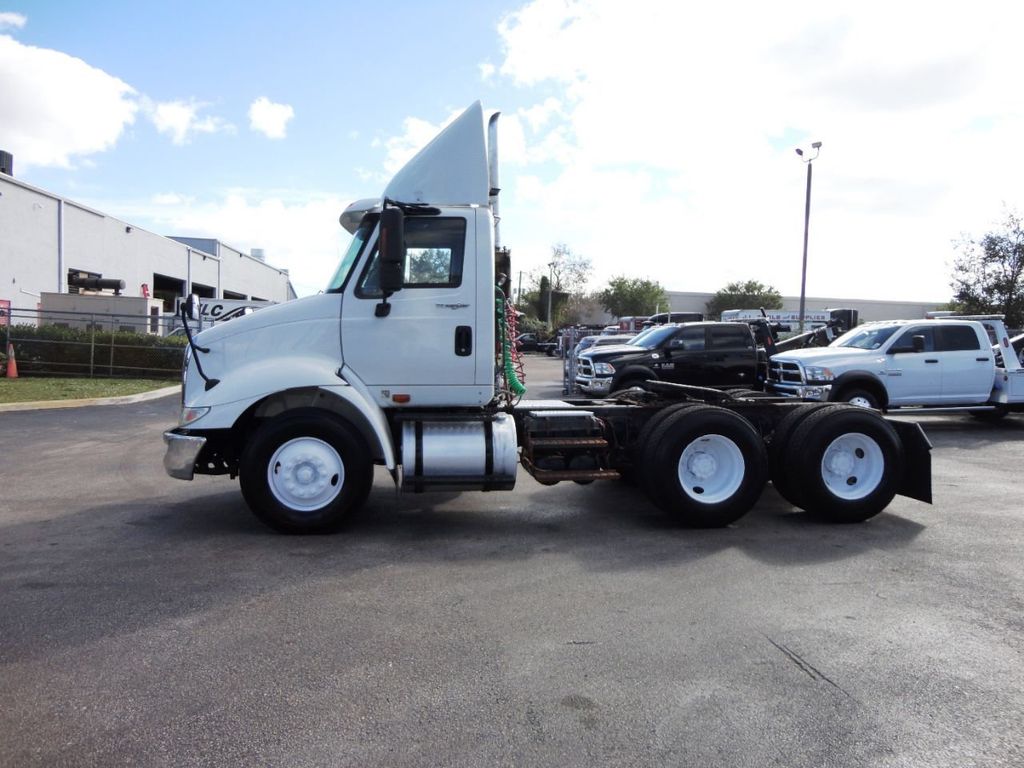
(28, 230)
(32, 261)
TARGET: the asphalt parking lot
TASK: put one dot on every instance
(148, 621)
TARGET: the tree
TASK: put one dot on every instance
(569, 273)
(988, 276)
(744, 295)
(627, 296)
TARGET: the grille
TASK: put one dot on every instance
(584, 367)
(784, 373)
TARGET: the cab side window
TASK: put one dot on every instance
(906, 339)
(958, 337)
(731, 338)
(435, 249)
(688, 340)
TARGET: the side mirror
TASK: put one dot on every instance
(392, 250)
(918, 342)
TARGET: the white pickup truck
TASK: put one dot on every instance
(961, 362)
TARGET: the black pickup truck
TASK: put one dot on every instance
(703, 354)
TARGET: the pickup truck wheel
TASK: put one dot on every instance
(848, 462)
(707, 465)
(859, 397)
(778, 451)
(304, 472)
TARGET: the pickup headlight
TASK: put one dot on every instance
(604, 369)
(815, 373)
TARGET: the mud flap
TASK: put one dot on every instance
(917, 473)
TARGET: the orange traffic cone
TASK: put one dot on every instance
(12, 364)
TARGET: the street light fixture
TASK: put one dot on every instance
(816, 146)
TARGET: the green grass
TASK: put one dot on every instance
(28, 389)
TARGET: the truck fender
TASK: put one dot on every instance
(633, 372)
(343, 400)
(860, 380)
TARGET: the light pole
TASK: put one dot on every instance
(809, 161)
(551, 268)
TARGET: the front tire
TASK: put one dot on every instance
(861, 398)
(706, 465)
(305, 472)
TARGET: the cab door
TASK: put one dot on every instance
(912, 377)
(968, 367)
(684, 357)
(425, 345)
(732, 358)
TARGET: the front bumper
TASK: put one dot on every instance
(593, 385)
(820, 392)
(181, 455)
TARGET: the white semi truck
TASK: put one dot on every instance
(405, 362)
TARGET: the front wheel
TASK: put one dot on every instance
(305, 472)
(862, 398)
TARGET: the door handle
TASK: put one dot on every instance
(981, 359)
(463, 340)
(931, 361)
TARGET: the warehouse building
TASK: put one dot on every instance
(50, 244)
(869, 309)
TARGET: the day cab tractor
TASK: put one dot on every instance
(405, 362)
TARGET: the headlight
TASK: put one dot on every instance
(817, 373)
(190, 415)
(604, 369)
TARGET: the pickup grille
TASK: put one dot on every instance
(584, 367)
(784, 373)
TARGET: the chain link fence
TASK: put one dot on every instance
(91, 345)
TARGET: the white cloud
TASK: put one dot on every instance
(55, 107)
(10, 20)
(181, 120)
(269, 118)
(658, 138)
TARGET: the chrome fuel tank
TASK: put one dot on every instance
(459, 454)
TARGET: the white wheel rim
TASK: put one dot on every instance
(861, 402)
(853, 466)
(305, 474)
(711, 469)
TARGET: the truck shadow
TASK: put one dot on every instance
(116, 568)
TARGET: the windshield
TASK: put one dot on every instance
(653, 336)
(644, 334)
(355, 247)
(866, 338)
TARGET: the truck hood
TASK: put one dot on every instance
(321, 306)
(600, 354)
(829, 356)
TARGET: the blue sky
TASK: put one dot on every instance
(656, 138)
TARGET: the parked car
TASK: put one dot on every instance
(600, 341)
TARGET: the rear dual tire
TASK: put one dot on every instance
(840, 462)
(704, 465)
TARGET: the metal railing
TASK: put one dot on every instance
(93, 344)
